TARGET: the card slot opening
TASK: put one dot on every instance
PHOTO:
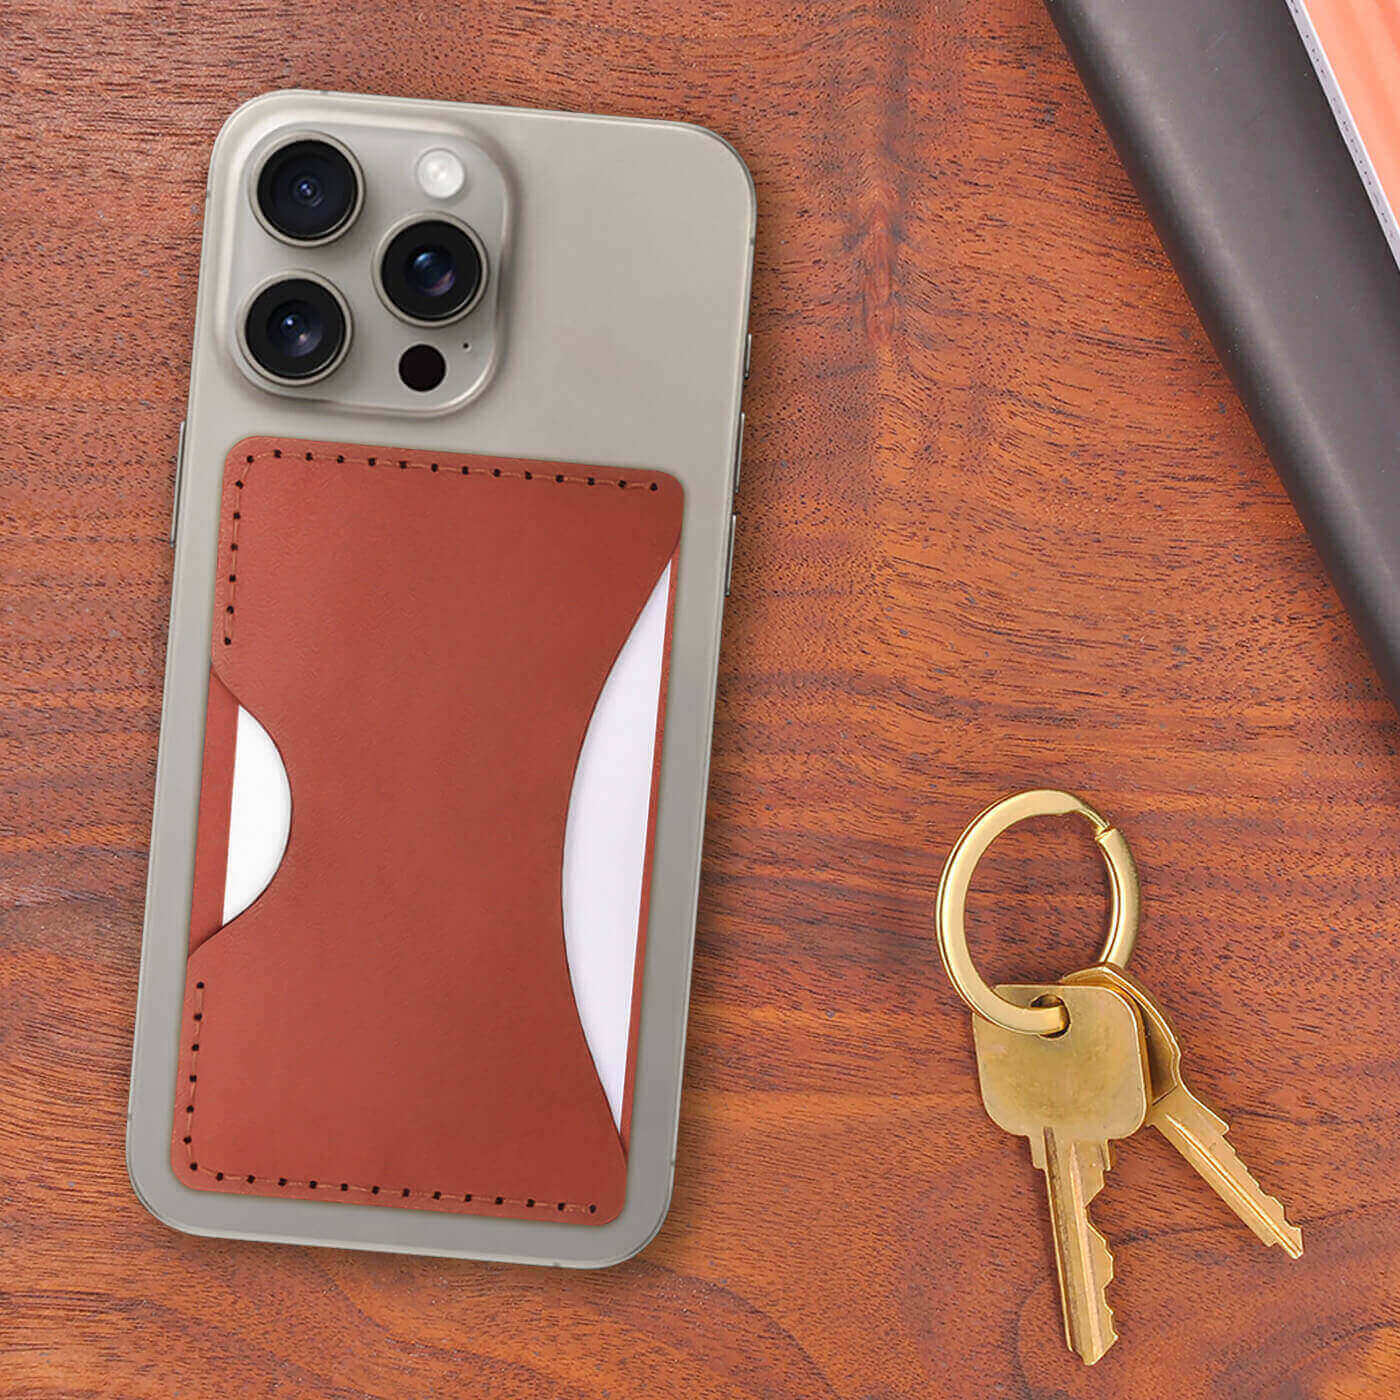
(605, 844)
(260, 816)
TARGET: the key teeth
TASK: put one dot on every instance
(1094, 1161)
(1102, 1269)
(1202, 1137)
(1286, 1235)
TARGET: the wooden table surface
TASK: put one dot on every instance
(1003, 523)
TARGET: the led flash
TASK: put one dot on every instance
(440, 174)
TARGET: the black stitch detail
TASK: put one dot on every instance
(232, 572)
(276, 451)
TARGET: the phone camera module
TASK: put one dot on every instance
(432, 271)
(296, 330)
(308, 191)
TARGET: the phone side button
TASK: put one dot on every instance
(739, 455)
(729, 555)
(748, 355)
(179, 482)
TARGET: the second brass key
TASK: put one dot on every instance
(1186, 1123)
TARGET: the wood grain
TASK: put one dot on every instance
(1003, 523)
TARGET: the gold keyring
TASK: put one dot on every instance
(1124, 894)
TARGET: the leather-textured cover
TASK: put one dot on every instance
(1225, 130)
(424, 637)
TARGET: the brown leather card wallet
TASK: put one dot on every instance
(424, 637)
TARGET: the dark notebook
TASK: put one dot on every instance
(1221, 122)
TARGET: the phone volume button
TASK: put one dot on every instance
(738, 456)
(729, 555)
(179, 483)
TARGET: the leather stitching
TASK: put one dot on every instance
(404, 464)
(233, 561)
(334, 1189)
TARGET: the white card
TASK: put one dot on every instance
(605, 844)
(260, 816)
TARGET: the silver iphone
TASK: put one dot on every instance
(494, 286)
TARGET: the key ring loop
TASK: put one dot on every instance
(1124, 896)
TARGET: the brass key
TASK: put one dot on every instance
(1071, 1094)
(1186, 1123)
(1074, 1075)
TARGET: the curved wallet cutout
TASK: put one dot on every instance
(424, 638)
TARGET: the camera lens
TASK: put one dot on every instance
(432, 271)
(308, 191)
(295, 330)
